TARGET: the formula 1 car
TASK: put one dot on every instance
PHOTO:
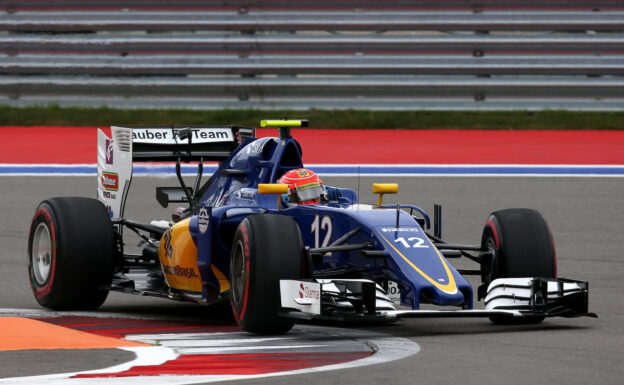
(237, 239)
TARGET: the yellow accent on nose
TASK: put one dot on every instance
(384, 188)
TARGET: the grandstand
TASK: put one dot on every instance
(324, 54)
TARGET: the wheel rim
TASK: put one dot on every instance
(491, 246)
(41, 254)
(238, 273)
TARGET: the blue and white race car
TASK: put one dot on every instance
(265, 234)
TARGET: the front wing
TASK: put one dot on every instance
(364, 300)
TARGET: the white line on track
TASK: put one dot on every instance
(244, 349)
(400, 170)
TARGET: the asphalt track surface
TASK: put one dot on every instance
(586, 216)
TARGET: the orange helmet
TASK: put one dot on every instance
(304, 185)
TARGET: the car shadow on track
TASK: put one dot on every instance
(221, 314)
(217, 314)
(433, 327)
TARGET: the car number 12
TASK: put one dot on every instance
(419, 242)
(319, 224)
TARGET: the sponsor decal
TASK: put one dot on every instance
(179, 271)
(253, 147)
(247, 193)
(45, 214)
(110, 210)
(303, 173)
(306, 291)
(399, 229)
(394, 293)
(109, 151)
(216, 199)
(245, 242)
(170, 136)
(307, 186)
(203, 219)
(45, 290)
(109, 195)
(168, 247)
(110, 181)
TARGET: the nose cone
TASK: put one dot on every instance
(431, 277)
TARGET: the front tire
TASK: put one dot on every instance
(522, 246)
(70, 253)
(266, 248)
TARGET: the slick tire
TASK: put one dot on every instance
(522, 245)
(266, 248)
(70, 253)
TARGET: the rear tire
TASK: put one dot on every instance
(266, 248)
(522, 245)
(70, 253)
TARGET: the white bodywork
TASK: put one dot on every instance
(509, 293)
(300, 295)
(305, 296)
(508, 297)
(114, 164)
(114, 160)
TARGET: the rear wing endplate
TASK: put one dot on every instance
(116, 154)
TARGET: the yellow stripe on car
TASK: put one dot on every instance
(450, 287)
(178, 258)
(224, 283)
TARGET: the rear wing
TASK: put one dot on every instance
(210, 143)
(127, 145)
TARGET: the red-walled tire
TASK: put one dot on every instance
(266, 248)
(522, 244)
(70, 253)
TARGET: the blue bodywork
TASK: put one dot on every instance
(411, 260)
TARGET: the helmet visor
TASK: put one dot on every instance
(309, 192)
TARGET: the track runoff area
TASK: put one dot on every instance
(184, 352)
(68, 151)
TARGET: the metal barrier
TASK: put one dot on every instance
(340, 54)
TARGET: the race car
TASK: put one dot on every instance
(264, 233)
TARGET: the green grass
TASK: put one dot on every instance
(357, 119)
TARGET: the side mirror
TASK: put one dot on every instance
(278, 188)
(384, 188)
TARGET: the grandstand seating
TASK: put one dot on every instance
(330, 54)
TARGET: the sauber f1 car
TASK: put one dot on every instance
(239, 239)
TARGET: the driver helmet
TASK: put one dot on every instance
(304, 186)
